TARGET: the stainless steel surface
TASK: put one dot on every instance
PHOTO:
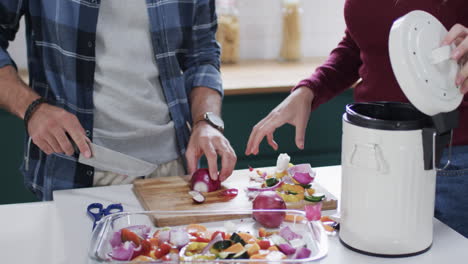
(109, 160)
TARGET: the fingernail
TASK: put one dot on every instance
(87, 154)
(456, 54)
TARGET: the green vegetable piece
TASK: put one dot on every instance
(293, 193)
(223, 244)
(306, 186)
(315, 198)
(237, 239)
(271, 182)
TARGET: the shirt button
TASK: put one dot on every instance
(89, 173)
(88, 133)
(90, 44)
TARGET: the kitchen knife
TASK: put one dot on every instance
(109, 160)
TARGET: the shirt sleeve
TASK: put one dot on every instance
(338, 73)
(10, 14)
(203, 59)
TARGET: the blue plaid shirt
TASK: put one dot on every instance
(61, 38)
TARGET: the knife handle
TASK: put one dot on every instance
(75, 147)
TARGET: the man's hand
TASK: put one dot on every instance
(49, 126)
(294, 110)
(208, 141)
(458, 34)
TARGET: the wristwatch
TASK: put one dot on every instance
(212, 119)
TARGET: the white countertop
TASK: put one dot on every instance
(60, 231)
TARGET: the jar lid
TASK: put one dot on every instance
(424, 70)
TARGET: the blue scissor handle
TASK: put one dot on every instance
(97, 211)
(96, 215)
(113, 208)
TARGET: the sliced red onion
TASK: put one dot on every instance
(197, 197)
(288, 234)
(116, 239)
(123, 252)
(202, 182)
(302, 253)
(179, 237)
(272, 188)
(287, 249)
(282, 162)
(229, 193)
(141, 230)
(313, 211)
(217, 238)
(164, 235)
(302, 173)
(288, 180)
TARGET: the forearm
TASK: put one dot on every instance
(15, 95)
(202, 100)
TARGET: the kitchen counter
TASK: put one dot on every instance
(60, 231)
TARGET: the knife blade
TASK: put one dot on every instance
(110, 160)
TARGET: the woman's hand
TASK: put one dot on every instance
(294, 110)
(458, 34)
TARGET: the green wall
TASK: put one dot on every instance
(12, 189)
(241, 113)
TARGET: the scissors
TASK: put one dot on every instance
(97, 211)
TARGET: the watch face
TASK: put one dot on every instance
(215, 120)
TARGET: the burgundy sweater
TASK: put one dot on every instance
(363, 53)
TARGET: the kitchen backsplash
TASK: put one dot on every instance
(260, 29)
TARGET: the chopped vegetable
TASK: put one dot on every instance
(179, 237)
(302, 173)
(315, 198)
(271, 182)
(287, 249)
(288, 234)
(202, 182)
(302, 253)
(197, 197)
(313, 211)
(229, 193)
(124, 251)
(185, 245)
(237, 239)
(282, 162)
(272, 188)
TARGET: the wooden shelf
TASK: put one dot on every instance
(259, 76)
(266, 76)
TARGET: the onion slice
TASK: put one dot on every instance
(288, 234)
(217, 238)
(313, 211)
(286, 249)
(197, 196)
(229, 193)
(302, 253)
(302, 173)
(272, 188)
(123, 252)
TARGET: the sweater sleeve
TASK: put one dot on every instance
(338, 73)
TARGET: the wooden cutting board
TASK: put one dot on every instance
(171, 193)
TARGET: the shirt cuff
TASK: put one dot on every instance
(205, 76)
(5, 59)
